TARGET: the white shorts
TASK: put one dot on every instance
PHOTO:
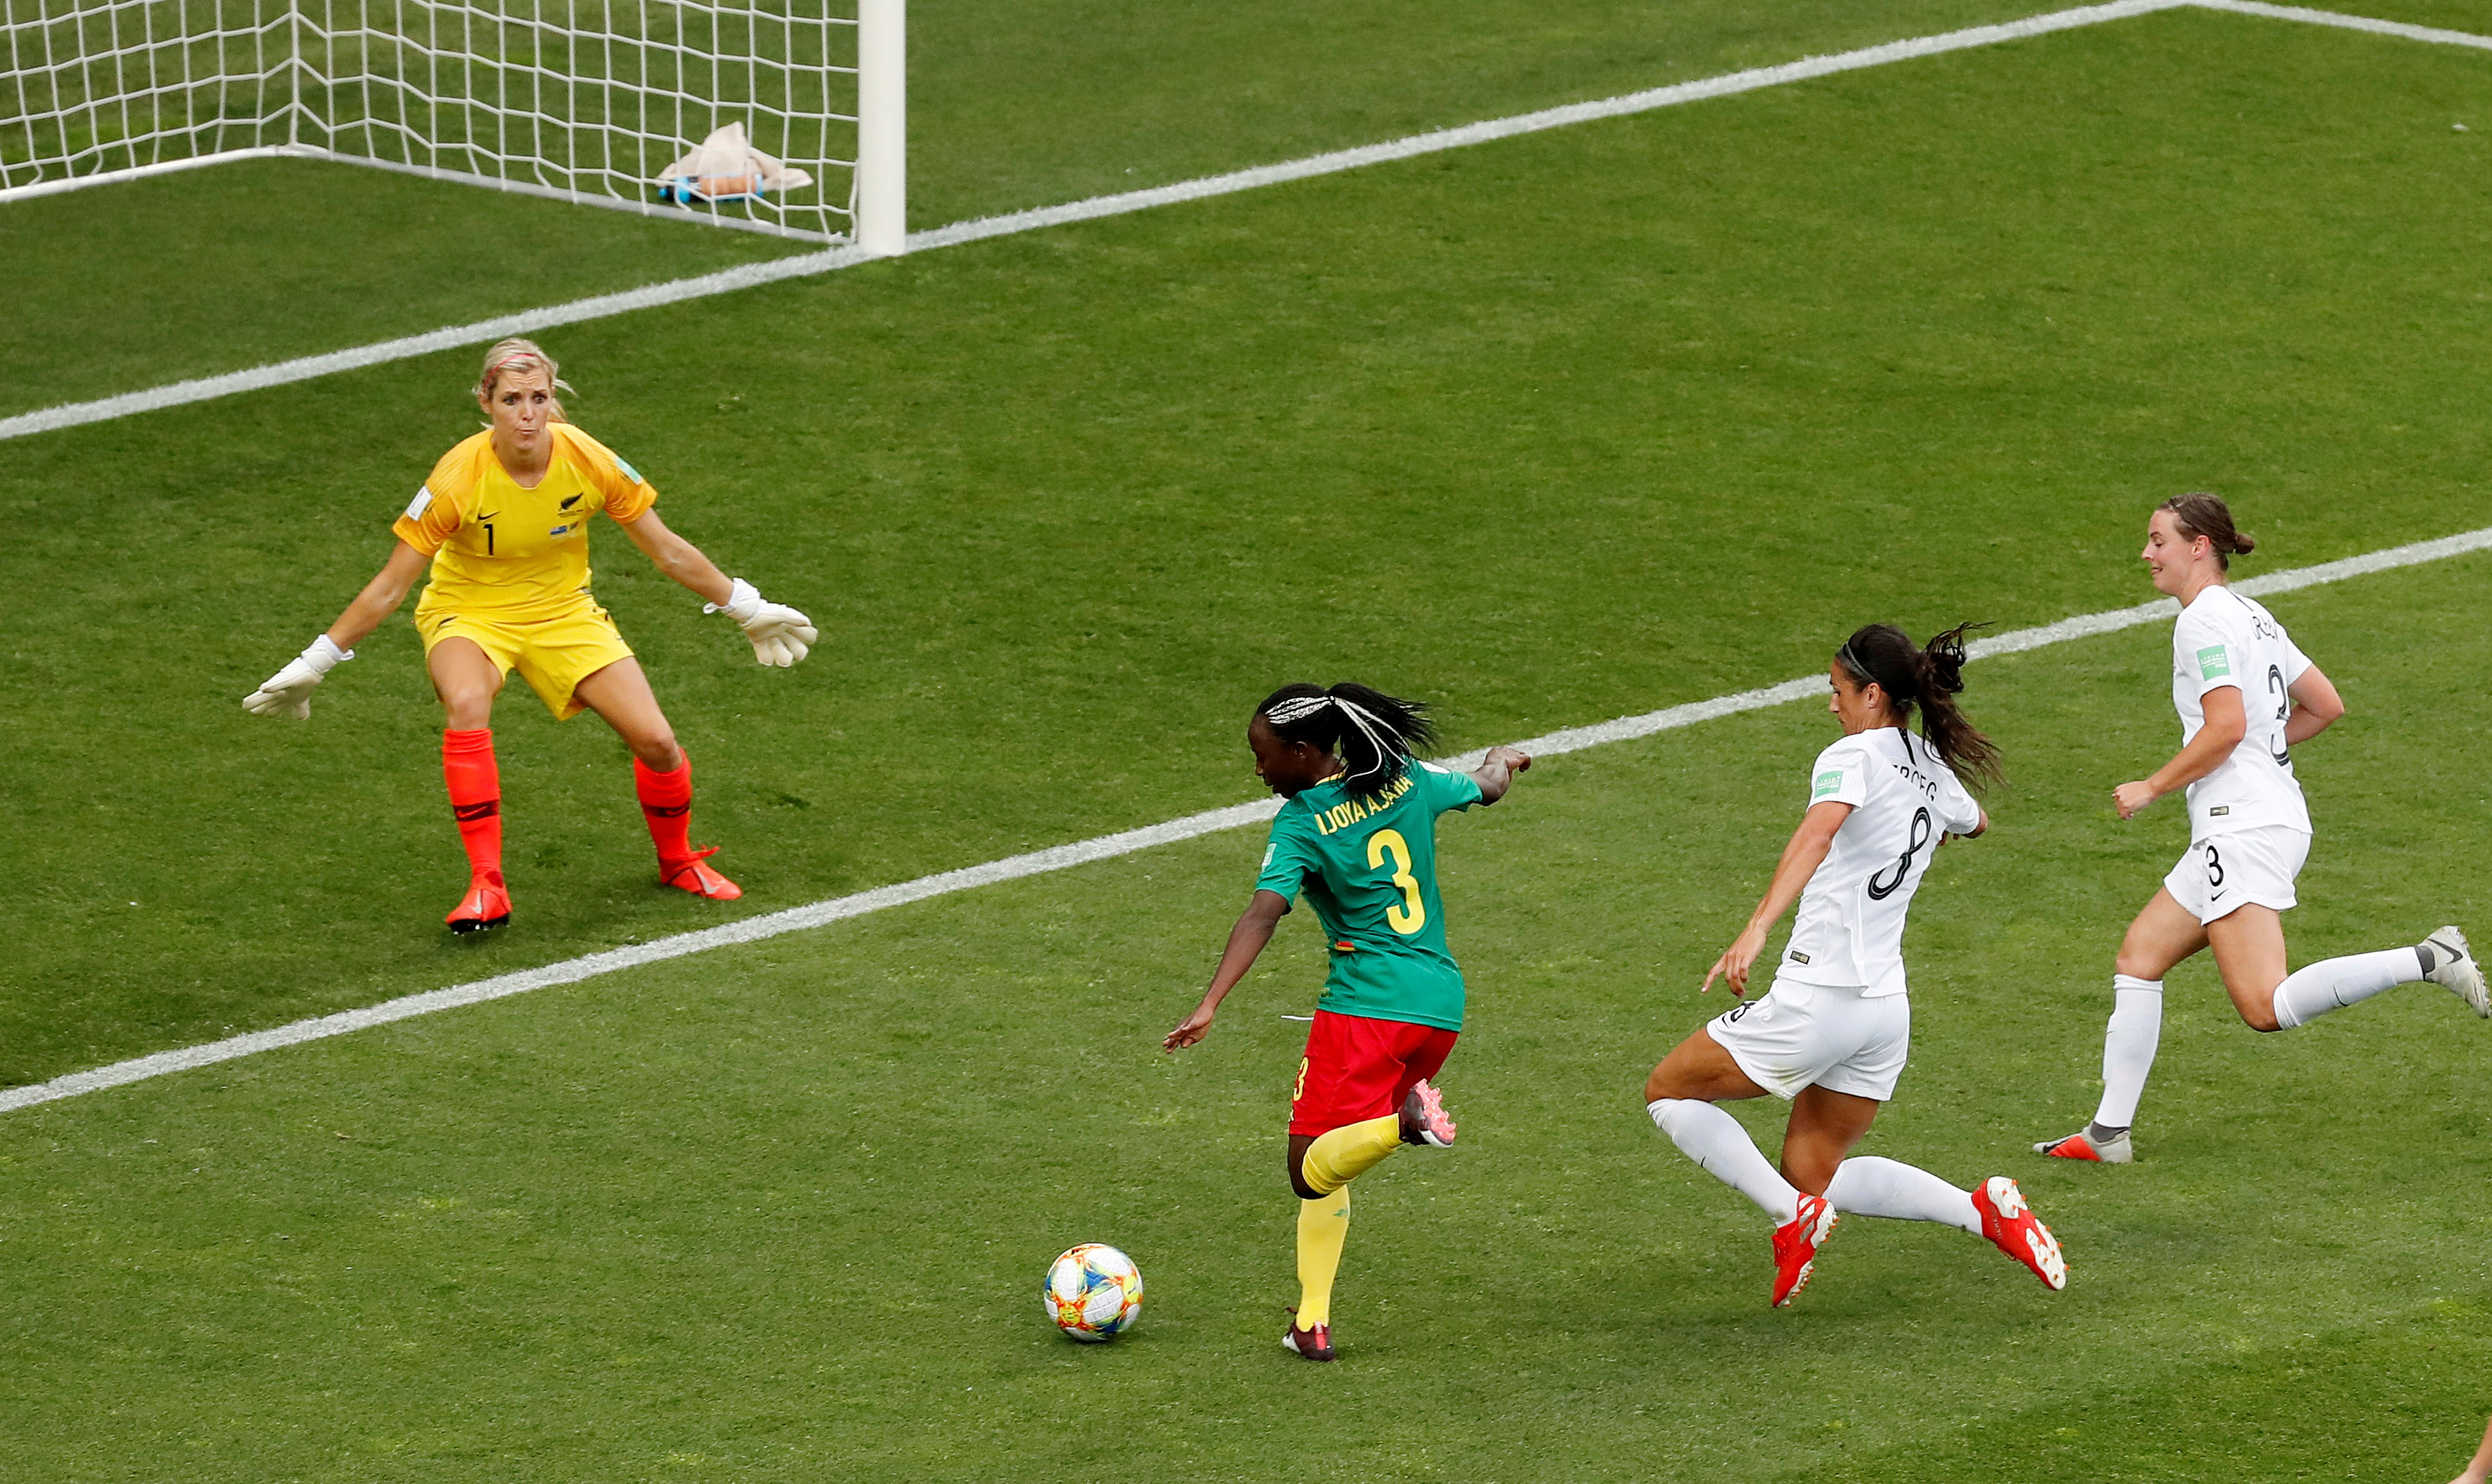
(2224, 871)
(1814, 1035)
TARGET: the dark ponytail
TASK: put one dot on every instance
(1931, 677)
(1374, 734)
(2207, 516)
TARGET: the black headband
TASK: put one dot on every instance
(1850, 659)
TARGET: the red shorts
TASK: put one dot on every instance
(1356, 1069)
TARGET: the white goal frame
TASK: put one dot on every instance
(580, 100)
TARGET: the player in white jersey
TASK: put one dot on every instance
(2246, 696)
(1831, 1034)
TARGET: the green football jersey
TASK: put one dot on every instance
(1368, 866)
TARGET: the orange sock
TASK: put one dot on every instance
(666, 803)
(475, 798)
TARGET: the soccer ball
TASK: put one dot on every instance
(1093, 1291)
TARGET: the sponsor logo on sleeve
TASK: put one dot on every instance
(629, 473)
(2212, 662)
(1797, 957)
(2219, 810)
(1827, 782)
(1269, 851)
(422, 503)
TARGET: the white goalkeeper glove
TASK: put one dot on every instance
(288, 692)
(780, 634)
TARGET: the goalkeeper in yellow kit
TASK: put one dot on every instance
(503, 524)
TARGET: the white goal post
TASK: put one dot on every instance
(585, 101)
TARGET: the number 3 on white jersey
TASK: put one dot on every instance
(1412, 915)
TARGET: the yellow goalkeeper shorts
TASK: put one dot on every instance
(552, 655)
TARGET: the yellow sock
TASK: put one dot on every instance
(1322, 1225)
(1349, 1151)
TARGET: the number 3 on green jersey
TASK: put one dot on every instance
(1368, 867)
(1412, 915)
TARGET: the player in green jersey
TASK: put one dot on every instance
(1357, 835)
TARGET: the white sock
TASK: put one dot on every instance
(2334, 983)
(2136, 1028)
(1714, 1139)
(1866, 1186)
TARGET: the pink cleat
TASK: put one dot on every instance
(1424, 1120)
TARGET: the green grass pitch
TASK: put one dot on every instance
(1573, 425)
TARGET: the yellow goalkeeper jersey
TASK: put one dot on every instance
(519, 553)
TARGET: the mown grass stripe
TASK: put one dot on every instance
(1059, 858)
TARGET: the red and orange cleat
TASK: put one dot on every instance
(486, 904)
(2082, 1145)
(1315, 1344)
(1424, 1120)
(1795, 1244)
(693, 874)
(2007, 1221)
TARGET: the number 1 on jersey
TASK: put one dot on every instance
(1412, 915)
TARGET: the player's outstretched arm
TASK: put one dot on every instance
(2316, 706)
(780, 634)
(1802, 857)
(1981, 827)
(1246, 939)
(2481, 1470)
(288, 692)
(1496, 773)
(2226, 725)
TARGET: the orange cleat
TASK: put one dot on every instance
(2009, 1223)
(1795, 1244)
(2082, 1145)
(486, 904)
(693, 874)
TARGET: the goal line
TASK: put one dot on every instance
(1108, 847)
(807, 265)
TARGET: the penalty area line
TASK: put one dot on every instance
(838, 909)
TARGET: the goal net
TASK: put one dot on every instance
(588, 101)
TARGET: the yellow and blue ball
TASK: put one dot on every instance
(1093, 1293)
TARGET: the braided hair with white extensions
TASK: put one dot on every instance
(1374, 734)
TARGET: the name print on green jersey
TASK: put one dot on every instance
(1350, 811)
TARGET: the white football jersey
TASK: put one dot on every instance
(1850, 927)
(2225, 639)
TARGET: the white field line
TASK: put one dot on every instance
(2340, 19)
(796, 920)
(805, 265)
